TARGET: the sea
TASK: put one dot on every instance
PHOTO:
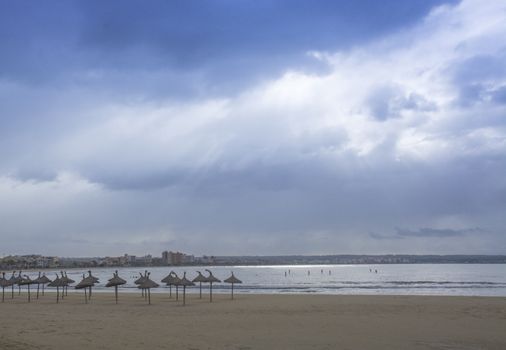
(395, 279)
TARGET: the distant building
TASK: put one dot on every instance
(145, 260)
(176, 258)
(129, 259)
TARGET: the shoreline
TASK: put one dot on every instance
(205, 293)
(260, 321)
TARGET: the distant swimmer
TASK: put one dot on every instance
(288, 271)
(322, 271)
(330, 272)
(308, 272)
(285, 273)
(370, 270)
(375, 271)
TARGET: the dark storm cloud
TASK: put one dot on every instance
(387, 101)
(435, 233)
(473, 77)
(194, 47)
(499, 95)
(426, 232)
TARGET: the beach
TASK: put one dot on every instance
(254, 322)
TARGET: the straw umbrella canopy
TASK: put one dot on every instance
(185, 283)
(4, 282)
(200, 278)
(211, 279)
(141, 279)
(85, 283)
(57, 282)
(115, 281)
(147, 284)
(41, 280)
(233, 280)
(167, 278)
(26, 281)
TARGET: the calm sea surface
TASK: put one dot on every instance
(410, 279)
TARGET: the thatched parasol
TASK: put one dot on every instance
(93, 279)
(200, 278)
(233, 280)
(26, 281)
(211, 279)
(57, 282)
(176, 282)
(85, 283)
(169, 280)
(141, 279)
(185, 283)
(147, 284)
(68, 281)
(41, 280)
(17, 280)
(4, 282)
(115, 281)
(13, 281)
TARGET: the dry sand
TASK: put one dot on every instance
(255, 322)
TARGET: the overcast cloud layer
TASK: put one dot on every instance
(253, 127)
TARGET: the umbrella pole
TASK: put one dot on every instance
(177, 292)
(85, 296)
(149, 295)
(19, 289)
(38, 286)
(232, 291)
(29, 293)
(170, 291)
(116, 293)
(3, 294)
(89, 295)
(200, 290)
(184, 295)
(43, 289)
(12, 293)
(211, 292)
(57, 294)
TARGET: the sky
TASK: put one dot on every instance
(241, 127)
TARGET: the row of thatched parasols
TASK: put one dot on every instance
(144, 283)
(22, 280)
(172, 279)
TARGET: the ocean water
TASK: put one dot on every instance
(398, 279)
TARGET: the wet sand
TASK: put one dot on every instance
(255, 322)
